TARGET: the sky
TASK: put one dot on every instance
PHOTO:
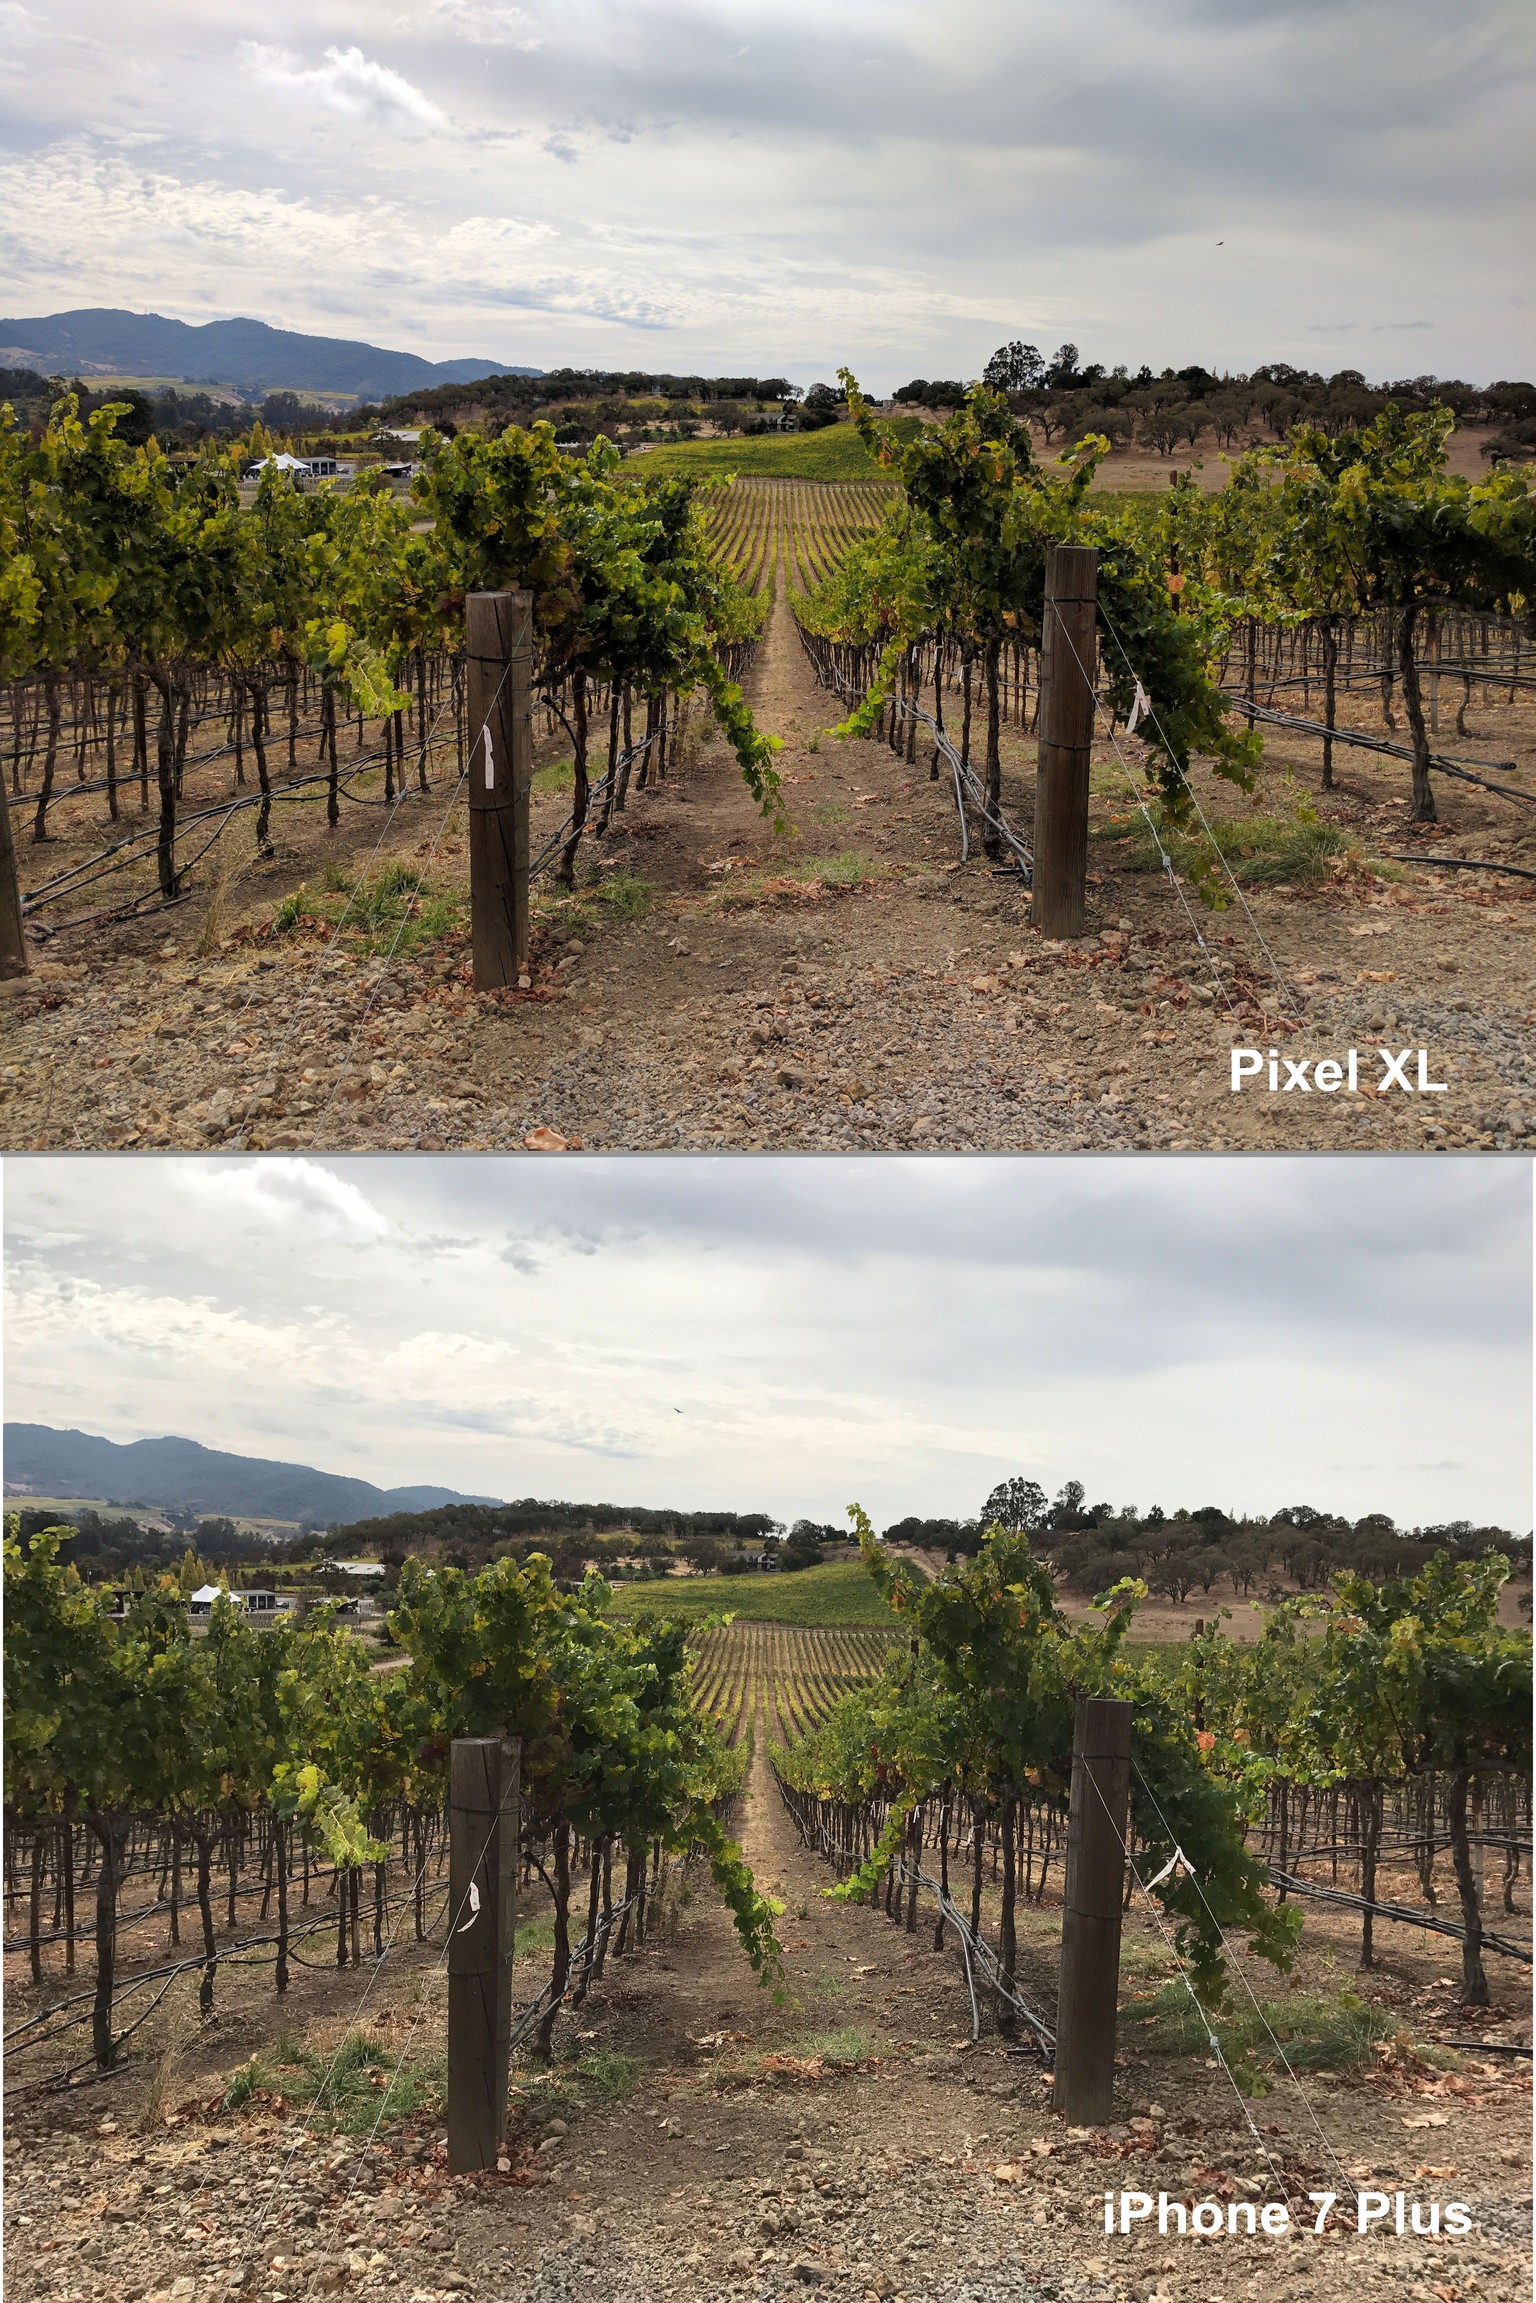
(777, 186)
(792, 1335)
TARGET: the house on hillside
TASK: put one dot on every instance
(255, 1603)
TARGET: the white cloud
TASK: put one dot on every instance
(788, 1335)
(347, 82)
(292, 1194)
(489, 23)
(775, 184)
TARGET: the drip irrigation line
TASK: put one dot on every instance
(1364, 743)
(234, 1955)
(1398, 1911)
(114, 859)
(964, 775)
(1463, 864)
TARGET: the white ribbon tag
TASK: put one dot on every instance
(1140, 707)
(1177, 1861)
(490, 759)
(474, 1909)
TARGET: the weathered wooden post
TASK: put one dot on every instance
(1093, 1897)
(483, 1826)
(498, 632)
(13, 949)
(1067, 658)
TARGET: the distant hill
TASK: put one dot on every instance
(245, 354)
(178, 1473)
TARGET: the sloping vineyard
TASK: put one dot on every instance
(786, 1675)
(754, 526)
(268, 1768)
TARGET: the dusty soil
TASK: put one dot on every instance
(852, 2139)
(849, 985)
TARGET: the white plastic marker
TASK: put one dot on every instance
(474, 1910)
(1177, 1861)
(1141, 704)
(490, 760)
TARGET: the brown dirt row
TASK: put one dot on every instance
(847, 985)
(706, 2143)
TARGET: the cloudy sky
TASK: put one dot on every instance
(789, 1335)
(772, 185)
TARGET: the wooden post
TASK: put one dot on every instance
(1093, 1897)
(499, 647)
(483, 1830)
(1067, 658)
(13, 949)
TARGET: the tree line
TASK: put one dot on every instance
(1063, 396)
(1091, 1546)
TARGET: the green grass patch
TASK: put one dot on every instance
(1316, 2034)
(837, 453)
(841, 1592)
(846, 2045)
(351, 2091)
(397, 908)
(595, 903)
(1280, 851)
(569, 2088)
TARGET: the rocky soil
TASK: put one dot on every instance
(852, 2141)
(847, 985)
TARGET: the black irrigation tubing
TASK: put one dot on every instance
(85, 1932)
(236, 1956)
(116, 859)
(1397, 1911)
(1463, 864)
(1437, 761)
(1485, 2046)
(230, 1954)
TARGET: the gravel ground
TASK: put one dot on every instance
(851, 986)
(750, 2163)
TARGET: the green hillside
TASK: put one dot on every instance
(841, 1593)
(834, 454)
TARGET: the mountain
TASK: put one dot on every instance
(178, 1473)
(245, 354)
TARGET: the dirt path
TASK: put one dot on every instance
(847, 985)
(699, 2142)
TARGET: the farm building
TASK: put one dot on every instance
(254, 1602)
